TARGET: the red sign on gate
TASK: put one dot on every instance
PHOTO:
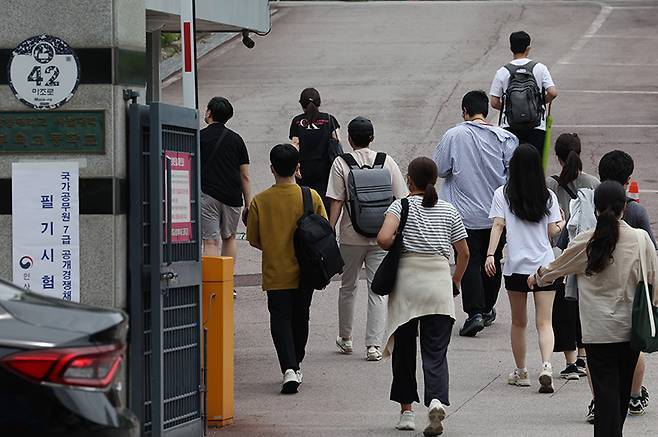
(181, 196)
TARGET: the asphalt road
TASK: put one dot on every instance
(406, 65)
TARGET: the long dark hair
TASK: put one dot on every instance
(567, 149)
(310, 101)
(423, 173)
(610, 201)
(525, 189)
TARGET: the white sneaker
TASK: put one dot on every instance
(436, 414)
(345, 346)
(407, 421)
(373, 353)
(300, 376)
(519, 378)
(290, 382)
(546, 379)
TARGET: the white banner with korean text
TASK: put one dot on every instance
(46, 228)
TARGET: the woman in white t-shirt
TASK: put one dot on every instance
(531, 214)
(421, 304)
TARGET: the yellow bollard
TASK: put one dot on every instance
(217, 273)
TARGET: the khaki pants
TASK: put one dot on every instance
(355, 257)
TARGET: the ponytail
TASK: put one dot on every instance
(567, 149)
(430, 197)
(310, 101)
(423, 174)
(610, 201)
(571, 168)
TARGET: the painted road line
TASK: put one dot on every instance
(608, 64)
(601, 126)
(609, 92)
(592, 30)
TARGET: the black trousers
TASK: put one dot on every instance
(611, 368)
(479, 291)
(289, 316)
(536, 137)
(435, 332)
(566, 323)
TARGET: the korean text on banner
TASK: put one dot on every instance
(45, 228)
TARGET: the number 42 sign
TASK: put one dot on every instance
(44, 72)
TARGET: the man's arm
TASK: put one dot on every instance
(496, 103)
(246, 190)
(442, 156)
(334, 214)
(551, 94)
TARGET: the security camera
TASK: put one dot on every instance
(248, 42)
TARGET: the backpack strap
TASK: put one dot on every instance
(349, 159)
(308, 200)
(566, 188)
(380, 159)
(528, 66)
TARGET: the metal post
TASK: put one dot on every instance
(153, 80)
(188, 38)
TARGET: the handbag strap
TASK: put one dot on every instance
(404, 214)
(214, 150)
(641, 243)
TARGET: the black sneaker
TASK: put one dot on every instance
(582, 367)
(488, 318)
(635, 407)
(644, 394)
(590, 412)
(472, 326)
(570, 373)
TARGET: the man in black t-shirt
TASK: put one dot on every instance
(224, 180)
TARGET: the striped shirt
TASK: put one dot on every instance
(430, 230)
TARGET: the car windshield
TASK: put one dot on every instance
(9, 291)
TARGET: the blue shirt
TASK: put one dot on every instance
(473, 159)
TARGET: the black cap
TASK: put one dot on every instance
(360, 126)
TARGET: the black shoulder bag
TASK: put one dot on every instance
(387, 273)
(334, 148)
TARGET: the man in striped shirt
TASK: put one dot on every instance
(473, 158)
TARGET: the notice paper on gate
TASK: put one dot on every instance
(46, 228)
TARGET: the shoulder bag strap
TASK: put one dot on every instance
(214, 150)
(404, 214)
(308, 201)
(566, 188)
(643, 262)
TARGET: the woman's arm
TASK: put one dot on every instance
(386, 235)
(463, 255)
(554, 229)
(494, 239)
(295, 142)
(573, 261)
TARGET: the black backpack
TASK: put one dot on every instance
(316, 248)
(523, 101)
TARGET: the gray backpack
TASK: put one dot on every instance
(369, 194)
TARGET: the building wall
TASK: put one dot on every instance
(118, 25)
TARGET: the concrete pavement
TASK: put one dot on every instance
(406, 65)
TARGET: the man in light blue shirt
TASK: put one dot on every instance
(473, 158)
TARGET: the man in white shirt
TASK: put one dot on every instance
(356, 249)
(520, 46)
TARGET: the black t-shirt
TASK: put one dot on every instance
(221, 178)
(313, 137)
(313, 150)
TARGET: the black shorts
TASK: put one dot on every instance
(518, 282)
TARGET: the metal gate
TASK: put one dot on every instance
(165, 389)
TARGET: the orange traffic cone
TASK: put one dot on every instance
(634, 191)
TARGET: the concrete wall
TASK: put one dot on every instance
(116, 24)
